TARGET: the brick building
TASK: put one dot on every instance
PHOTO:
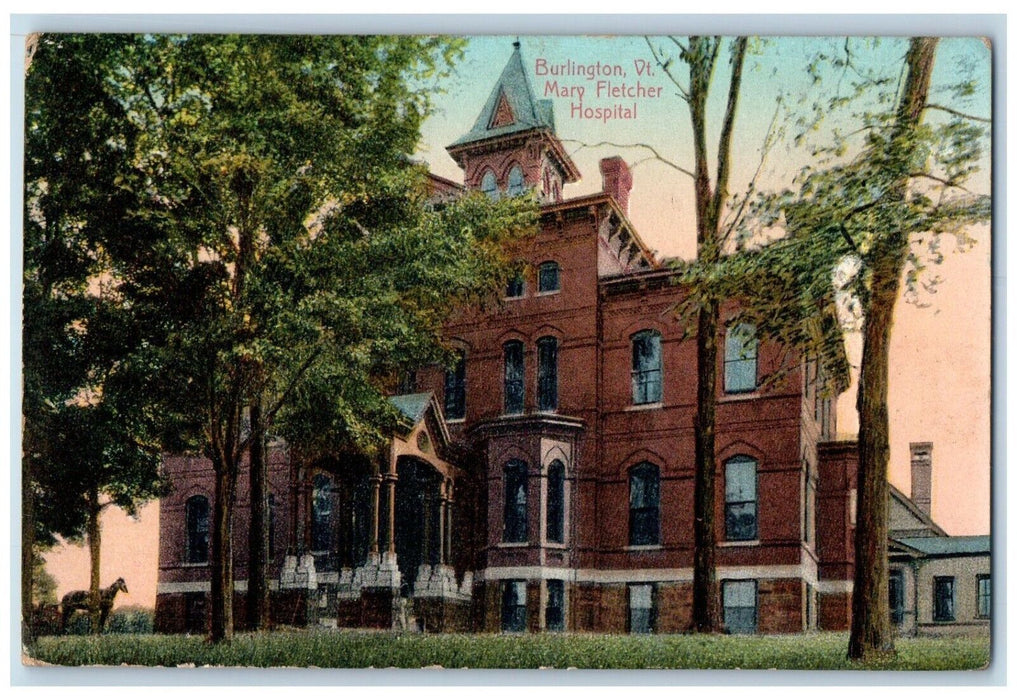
(546, 483)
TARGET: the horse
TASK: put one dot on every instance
(81, 600)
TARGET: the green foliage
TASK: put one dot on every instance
(826, 234)
(43, 583)
(350, 649)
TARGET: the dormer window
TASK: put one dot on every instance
(516, 184)
(489, 186)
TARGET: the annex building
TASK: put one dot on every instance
(546, 482)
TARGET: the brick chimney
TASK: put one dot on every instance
(921, 476)
(617, 180)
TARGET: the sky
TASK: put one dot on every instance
(940, 362)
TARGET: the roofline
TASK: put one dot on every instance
(572, 173)
(916, 511)
(608, 199)
(446, 181)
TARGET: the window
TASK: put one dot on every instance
(196, 516)
(515, 181)
(896, 596)
(547, 374)
(809, 520)
(513, 606)
(942, 602)
(740, 358)
(321, 514)
(739, 601)
(740, 499)
(554, 614)
(547, 277)
(455, 390)
(642, 608)
(515, 393)
(983, 586)
(556, 502)
(646, 367)
(489, 186)
(644, 504)
(515, 287)
(515, 502)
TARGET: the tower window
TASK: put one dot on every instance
(489, 186)
(516, 185)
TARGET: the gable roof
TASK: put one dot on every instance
(940, 546)
(914, 511)
(514, 92)
(414, 409)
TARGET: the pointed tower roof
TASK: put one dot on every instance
(511, 107)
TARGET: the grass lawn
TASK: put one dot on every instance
(352, 649)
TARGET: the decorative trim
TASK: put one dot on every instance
(835, 587)
(170, 587)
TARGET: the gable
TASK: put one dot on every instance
(503, 115)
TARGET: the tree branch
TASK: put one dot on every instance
(656, 155)
(666, 66)
(956, 113)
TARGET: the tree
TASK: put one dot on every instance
(701, 54)
(75, 340)
(852, 230)
(280, 245)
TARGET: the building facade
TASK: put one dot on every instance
(546, 482)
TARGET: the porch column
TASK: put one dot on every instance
(447, 542)
(375, 509)
(442, 508)
(425, 554)
(391, 479)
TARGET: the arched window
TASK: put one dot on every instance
(548, 278)
(321, 514)
(547, 374)
(515, 181)
(455, 390)
(489, 186)
(644, 504)
(740, 349)
(740, 521)
(515, 392)
(515, 502)
(646, 367)
(555, 518)
(196, 517)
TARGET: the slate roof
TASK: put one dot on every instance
(529, 112)
(938, 546)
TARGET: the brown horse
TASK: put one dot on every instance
(80, 600)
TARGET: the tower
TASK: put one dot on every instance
(513, 145)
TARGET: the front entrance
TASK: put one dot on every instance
(417, 513)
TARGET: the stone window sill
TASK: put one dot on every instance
(509, 545)
(739, 543)
(645, 406)
(644, 547)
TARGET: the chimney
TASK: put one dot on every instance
(921, 476)
(617, 180)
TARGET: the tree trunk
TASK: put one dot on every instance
(94, 535)
(258, 554)
(221, 598)
(706, 615)
(27, 546)
(871, 633)
(705, 594)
